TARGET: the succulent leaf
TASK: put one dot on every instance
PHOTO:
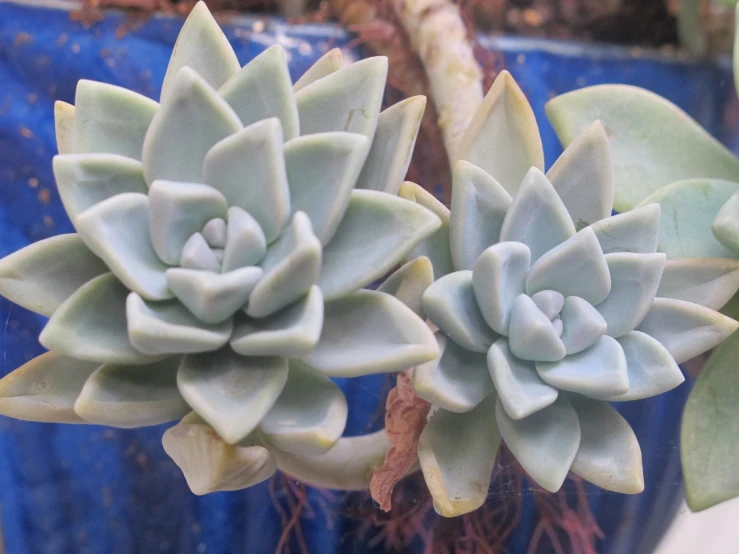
(43, 275)
(309, 416)
(457, 455)
(348, 99)
(479, 205)
(198, 254)
(377, 232)
(392, 146)
(503, 137)
(598, 371)
(262, 90)
(191, 104)
(545, 443)
(451, 304)
(710, 282)
(64, 127)
(331, 61)
(435, 247)
(609, 455)
(132, 396)
(322, 170)
(409, 282)
(653, 142)
(457, 381)
(202, 46)
(45, 389)
(83, 180)
(117, 231)
(293, 331)
(246, 243)
(532, 335)
(231, 392)
(686, 329)
(635, 231)
(291, 267)
(91, 325)
(635, 279)
(519, 387)
(726, 224)
(583, 177)
(110, 120)
(582, 324)
(370, 332)
(537, 217)
(688, 211)
(550, 303)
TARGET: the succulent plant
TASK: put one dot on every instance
(223, 236)
(552, 309)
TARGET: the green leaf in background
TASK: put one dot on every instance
(653, 142)
(710, 430)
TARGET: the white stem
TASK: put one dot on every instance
(439, 37)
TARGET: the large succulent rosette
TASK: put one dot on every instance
(223, 237)
(547, 308)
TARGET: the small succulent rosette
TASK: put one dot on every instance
(223, 236)
(547, 308)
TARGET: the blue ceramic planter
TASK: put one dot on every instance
(91, 490)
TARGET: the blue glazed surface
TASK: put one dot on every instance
(91, 490)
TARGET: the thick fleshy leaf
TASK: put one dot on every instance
(479, 205)
(291, 267)
(157, 328)
(86, 179)
(370, 332)
(191, 104)
(132, 396)
(110, 119)
(532, 336)
(45, 389)
(457, 381)
(636, 231)
(583, 177)
(330, 62)
(322, 170)
(710, 282)
(545, 443)
(211, 465)
(537, 217)
(498, 278)
(409, 283)
(726, 224)
(582, 325)
(653, 142)
(710, 426)
(451, 305)
(550, 302)
(688, 212)
(213, 297)
(41, 276)
(686, 329)
(231, 392)
(177, 211)
(436, 247)
(263, 89)
(503, 137)
(64, 127)
(202, 46)
(197, 254)
(91, 325)
(117, 230)
(392, 146)
(609, 455)
(598, 371)
(215, 233)
(348, 99)
(293, 331)
(577, 267)
(309, 416)
(519, 387)
(256, 152)
(457, 455)
(651, 368)
(634, 282)
(377, 232)
(245, 242)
